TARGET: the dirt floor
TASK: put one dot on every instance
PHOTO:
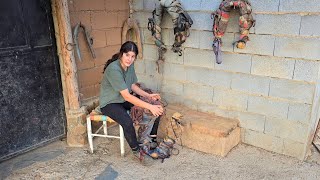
(57, 161)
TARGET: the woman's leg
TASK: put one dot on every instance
(118, 112)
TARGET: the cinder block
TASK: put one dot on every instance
(99, 38)
(208, 108)
(149, 5)
(251, 84)
(172, 87)
(209, 5)
(307, 48)
(172, 57)
(226, 112)
(104, 54)
(306, 70)
(199, 58)
(258, 44)
(300, 112)
(265, 6)
(146, 37)
(198, 92)
(191, 5)
(84, 5)
(174, 72)
(277, 24)
(197, 75)
(310, 25)
(201, 21)
(292, 90)
(252, 121)
(286, 129)
(264, 141)
(167, 37)
(233, 24)
(151, 68)
(83, 43)
(206, 40)
(294, 149)
(140, 66)
(87, 61)
(172, 98)
(142, 18)
(235, 63)
(88, 92)
(299, 6)
(208, 77)
(247, 120)
(85, 77)
(193, 40)
(166, 21)
(272, 66)
(230, 99)
(150, 81)
(137, 5)
(113, 36)
(190, 103)
(122, 17)
(118, 5)
(268, 106)
(103, 20)
(204, 132)
(150, 52)
(83, 16)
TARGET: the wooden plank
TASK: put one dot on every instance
(69, 65)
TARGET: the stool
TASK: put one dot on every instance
(105, 131)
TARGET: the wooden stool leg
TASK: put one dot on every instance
(121, 140)
(89, 129)
(105, 131)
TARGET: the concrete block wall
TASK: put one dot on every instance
(103, 19)
(271, 86)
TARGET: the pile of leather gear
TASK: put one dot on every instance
(181, 23)
(221, 18)
(145, 120)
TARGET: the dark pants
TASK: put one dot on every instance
(118, 112)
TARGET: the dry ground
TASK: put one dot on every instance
(57, 161)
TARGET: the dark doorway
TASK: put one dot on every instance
(32, 109)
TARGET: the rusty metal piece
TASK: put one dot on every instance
(88, 38)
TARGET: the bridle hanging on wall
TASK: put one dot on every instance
(221, 19)
(181, 24)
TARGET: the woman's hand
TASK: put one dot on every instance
(156, 110)
(154, 96)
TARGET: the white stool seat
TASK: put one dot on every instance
(105, 131)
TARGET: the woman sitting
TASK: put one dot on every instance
(118, 83)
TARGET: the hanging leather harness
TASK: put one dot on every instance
(221, 18)
(181, 23)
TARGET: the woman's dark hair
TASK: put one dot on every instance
(126, 47)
